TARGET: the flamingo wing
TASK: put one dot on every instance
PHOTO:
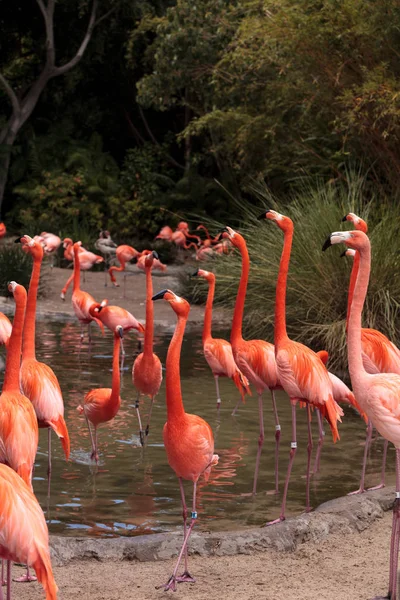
(218, 354)
(256, 359)
(380, 351)
(383, 406)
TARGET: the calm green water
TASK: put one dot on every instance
(133, 491)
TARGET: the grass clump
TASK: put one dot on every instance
(15, 265)
(317, 282)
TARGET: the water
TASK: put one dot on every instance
(133, 491)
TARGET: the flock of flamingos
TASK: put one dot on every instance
(31, 395)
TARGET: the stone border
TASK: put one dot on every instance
(343, 515)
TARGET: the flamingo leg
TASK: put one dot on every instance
(96, 455)
(218, 394)
(293, 450)
(382, 483)
(361, 489)
(236, 407)
(173, 580)
(309, 452)
(139, 419)
(89, 333)
(9, 579)
(124, 286)
(277, 441)
(91, 434)
(186, 575)
(49, 451)
(146, 431)
(320, 442)
(260, 442)
(81, 333)
(2, 582)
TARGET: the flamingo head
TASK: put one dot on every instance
(204, 274)
(358, 223)
(149, 255)
(283, 222)
(17, 290)
(227, 233)
(356, 240)
(31, 246)
(119, 330)
(348, 252)
(180, 306)
(67, 242)
(182, 226)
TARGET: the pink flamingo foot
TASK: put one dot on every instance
(95, 456)
(359, 491)
(25, 578)
(185, 578)
(272, 492)
(376, 487)
(170, 585)
(275, 521)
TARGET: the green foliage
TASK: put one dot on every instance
(318, 282)
(15, 265)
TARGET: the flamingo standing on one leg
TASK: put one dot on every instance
(82, 301)
(146, 370)
(106, 246)
(378, 394)
(124, 255)
(19, 434)
(380, 355)
(218, 352)
(86, 261)
(38, 381)
(102, 404)
(255, 358)
(24, 536)
(188, 439)
(301, 372)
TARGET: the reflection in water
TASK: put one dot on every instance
(133, 490)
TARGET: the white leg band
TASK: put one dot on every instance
(277, 427)
(293, 445)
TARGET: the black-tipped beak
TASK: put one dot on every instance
(327, 243)
(155, 254)
(99, 308)
(343, 254)
(263, 215)
(344, 219)
(159, 295)
(195, 273)
(18, 240)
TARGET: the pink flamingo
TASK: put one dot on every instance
(51, 244)
(82, 301)
(38, 381)
(379, 354)
(188, 439)
(147, 371)
(124, 255)
(24, 536)
(218, 352)
(157, 264)
(255, 358)
(102, 404)
(86, 261)
(165, 234)
(3, 230)
(111, 316)
(302, 373)
(378, 394)
(5, 330)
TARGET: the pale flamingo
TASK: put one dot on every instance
(5, 330)
(102, 404)
(379, 354)
(378, 394)
(146, 370)
(165, 234)
(157, 264)
(188, 439)
(111, 316)
(51, 244)
(106, 246)
(124, 255)
(38, 381)
(301, 372)
(255, 358)
(24, 537)
(82, 301)
(218, 352)
(86, 261)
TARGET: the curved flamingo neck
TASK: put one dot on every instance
(114, 268)
(281, 285)
(175, 409)
(356, 368)
(116, 377)
(28, 347)
(237, 322)
(208, 311)
(13, 360)
(77, 271)
(353, 279)
(149, 330)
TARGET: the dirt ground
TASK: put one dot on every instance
(134, 299)
(348, 567)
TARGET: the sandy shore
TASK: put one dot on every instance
(351, 566)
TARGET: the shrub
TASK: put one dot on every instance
(15, 265)
(317, 282)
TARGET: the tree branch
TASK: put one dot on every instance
(155, 141)
(11, 94)
(74, 61)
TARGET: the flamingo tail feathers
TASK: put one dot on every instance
(242, 384)
(332, 413)
(25, 472)
(60, 428)
(44, 573)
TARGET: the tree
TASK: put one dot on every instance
(24, 97)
